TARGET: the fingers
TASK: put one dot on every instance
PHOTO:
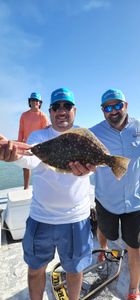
(2, 138)
(78, 169)
(91, 167)
(24, 152)
(75, 168)
(8, 152)
(2, 153)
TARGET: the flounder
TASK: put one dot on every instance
(78, 144)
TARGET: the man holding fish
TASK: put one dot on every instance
(115, 200)
(60, 208)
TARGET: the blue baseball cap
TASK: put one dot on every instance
(62, 94)
(35, 96)
(112, 94)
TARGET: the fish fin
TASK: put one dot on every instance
(120, 166)
(58, 170)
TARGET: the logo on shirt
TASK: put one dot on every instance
(136, 134)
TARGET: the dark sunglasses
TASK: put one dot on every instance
(35, 100)
(56, 106)
(109, 108)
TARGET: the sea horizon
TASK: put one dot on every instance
(10, 175)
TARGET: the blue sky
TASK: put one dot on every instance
(87, 46)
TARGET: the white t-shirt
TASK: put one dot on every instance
(57, 198)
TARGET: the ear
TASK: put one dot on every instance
(29, 103)
(74, 108)
(102, 109)
(40, 104)
(126, 104)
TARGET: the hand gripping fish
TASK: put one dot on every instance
(77, 144)
(22, 148)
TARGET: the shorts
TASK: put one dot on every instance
(129, 223)
(74, 244)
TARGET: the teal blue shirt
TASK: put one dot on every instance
(119, 196)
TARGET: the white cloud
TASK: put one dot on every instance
(16, 85)
(23, 52)
(4, 11)
(95, 4)
(74, 8)
(19, 29)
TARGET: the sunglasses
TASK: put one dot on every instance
(56, 106)
(109, 108)
(35, 100)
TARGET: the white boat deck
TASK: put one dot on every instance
(13, 274)
(13, 277)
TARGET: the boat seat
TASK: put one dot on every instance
(19, 196)
(17, 211)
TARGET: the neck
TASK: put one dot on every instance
(35, 109)
(62, 129)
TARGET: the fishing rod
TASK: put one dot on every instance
(58, 275)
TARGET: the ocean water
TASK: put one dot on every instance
(10, 175)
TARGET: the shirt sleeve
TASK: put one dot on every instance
(28, 162)
(33, 138)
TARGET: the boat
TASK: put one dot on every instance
(14, 210)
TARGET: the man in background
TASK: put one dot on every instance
(31, 120)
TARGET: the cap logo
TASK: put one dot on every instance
(112, 94)
(62, 94)
(108, 94)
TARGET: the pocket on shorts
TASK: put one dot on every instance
(82, 238)
(30, 232)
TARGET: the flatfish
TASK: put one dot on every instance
(79, 144)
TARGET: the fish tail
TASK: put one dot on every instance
(119, 166)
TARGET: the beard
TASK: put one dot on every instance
(118, 119)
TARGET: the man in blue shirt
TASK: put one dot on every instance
(119, 201)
